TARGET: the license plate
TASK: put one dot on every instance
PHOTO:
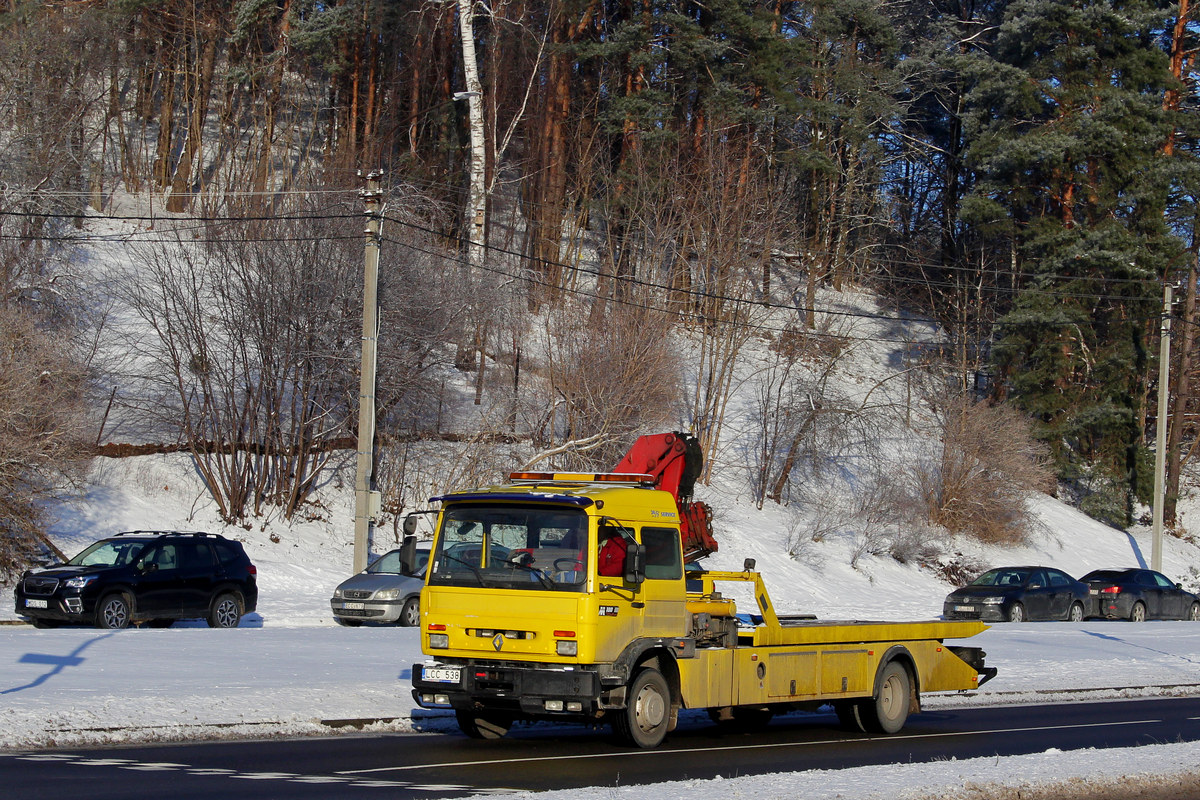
(354, 606)
(964, 608)
(36, 604)
(441, 674)
(1093, 591)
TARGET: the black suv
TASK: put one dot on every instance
(144, 576)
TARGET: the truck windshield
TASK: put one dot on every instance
(511, 546)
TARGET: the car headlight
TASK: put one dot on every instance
(337, 593)
(991, 601)
(387, 594)
(79, 582)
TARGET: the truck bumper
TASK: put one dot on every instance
(525, 689)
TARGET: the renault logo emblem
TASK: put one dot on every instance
(498, 641)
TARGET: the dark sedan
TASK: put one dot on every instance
(1016, 594)
(1138, 595)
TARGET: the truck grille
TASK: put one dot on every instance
(38, 584)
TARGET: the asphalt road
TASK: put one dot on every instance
(558, 757)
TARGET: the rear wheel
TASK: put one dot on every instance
(1016, 613)
(113, 612)
(1076, 614)
(410, 615)
(225, 612)
(1194, 612)
(647, 713)
(483, 726)
(1137, 613)
(888, 711)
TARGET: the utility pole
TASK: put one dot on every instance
(366, 501)
(1160, 443)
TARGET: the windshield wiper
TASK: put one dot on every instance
(470, 566)
(546, 581)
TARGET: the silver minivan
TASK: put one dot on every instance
(382, 593)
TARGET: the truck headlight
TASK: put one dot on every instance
(567, 647)
(439, 641)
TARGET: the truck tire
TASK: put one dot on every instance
(647, 713)
(888, 710)
(478, 725)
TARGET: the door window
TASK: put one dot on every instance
(664, 556)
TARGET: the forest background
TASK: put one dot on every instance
(595, 213)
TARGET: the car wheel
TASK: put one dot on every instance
(483, 726)
(1194, 612)
(347, 623)
(1137, 613)
(113, 612)
(45, 623)
(1016, 613)
(226, 611)
(888, 710)
(1076, 613)
(647, 713)
(410, 615)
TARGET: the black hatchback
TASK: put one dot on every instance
(1140, 594)
(155, 577)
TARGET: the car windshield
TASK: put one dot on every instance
(511, 546)
(389, 564)
(1007, 576)
(109, 553)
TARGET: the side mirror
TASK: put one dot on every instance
(635, 563)
(408, 551)
(410, 525)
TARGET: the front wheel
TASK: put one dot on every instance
(483, 726)
(1076, 614)
(226, 612)
(647, 713)
(1137, 613)
(410, 615)
(1016, 613)
(113, 612)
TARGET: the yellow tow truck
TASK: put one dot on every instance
(525, 617)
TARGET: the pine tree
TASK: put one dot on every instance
(1067, 127)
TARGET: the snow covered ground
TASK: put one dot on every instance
(290, 671)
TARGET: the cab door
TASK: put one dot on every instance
(663, 591)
